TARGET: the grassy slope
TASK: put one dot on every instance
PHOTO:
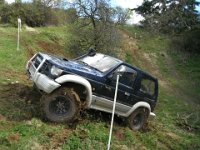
(178, 104)
(21, 126)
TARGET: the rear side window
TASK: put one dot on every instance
(147, 86)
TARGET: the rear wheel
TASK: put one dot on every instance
(138, 119)
(61, 105)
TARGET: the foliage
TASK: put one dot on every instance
(188, 41)
(2, 2)
(121, 15)
(94, 28)
(169, 16)
(98, 14)
(35, 14)
(179, 18)
(71, 15)
(50, 3)
(82, 37)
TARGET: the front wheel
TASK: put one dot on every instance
(138, 119)
(61, 105)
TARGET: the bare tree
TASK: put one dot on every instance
(98, 13)
(121, 15)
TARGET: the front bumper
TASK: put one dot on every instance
(44, 83)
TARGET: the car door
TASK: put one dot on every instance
(126, 85)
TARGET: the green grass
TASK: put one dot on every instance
(177, 125)
(189, 67)
(8, 51)
(178, 104)
(49, 39)
(148, 42)
(25, 134)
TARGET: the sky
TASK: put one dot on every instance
(135, 18)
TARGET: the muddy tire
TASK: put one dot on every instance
(61, 105)
(138, 118)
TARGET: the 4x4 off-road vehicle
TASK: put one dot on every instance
(89, 81)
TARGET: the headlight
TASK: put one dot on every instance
(56, 71)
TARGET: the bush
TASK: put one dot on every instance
(188, 41)
(35, 14)
(82, 38)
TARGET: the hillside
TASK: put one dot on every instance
(177, 125)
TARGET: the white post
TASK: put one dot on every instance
(113, 112)
(19, 29)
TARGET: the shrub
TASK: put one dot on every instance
(188, 41)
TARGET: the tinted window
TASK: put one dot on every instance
(147, 86)
(128, 75)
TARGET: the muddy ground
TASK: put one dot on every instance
(19, 102)
(22, 102)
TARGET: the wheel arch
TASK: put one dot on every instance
(70, 80)
(138, 105)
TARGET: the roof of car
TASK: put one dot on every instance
(131, 66)
(47, 56)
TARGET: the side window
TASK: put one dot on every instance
(147, 86)
(37, 60)
(128, 75)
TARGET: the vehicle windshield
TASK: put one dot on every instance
(101, 62)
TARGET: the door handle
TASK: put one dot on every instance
(127, 94)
